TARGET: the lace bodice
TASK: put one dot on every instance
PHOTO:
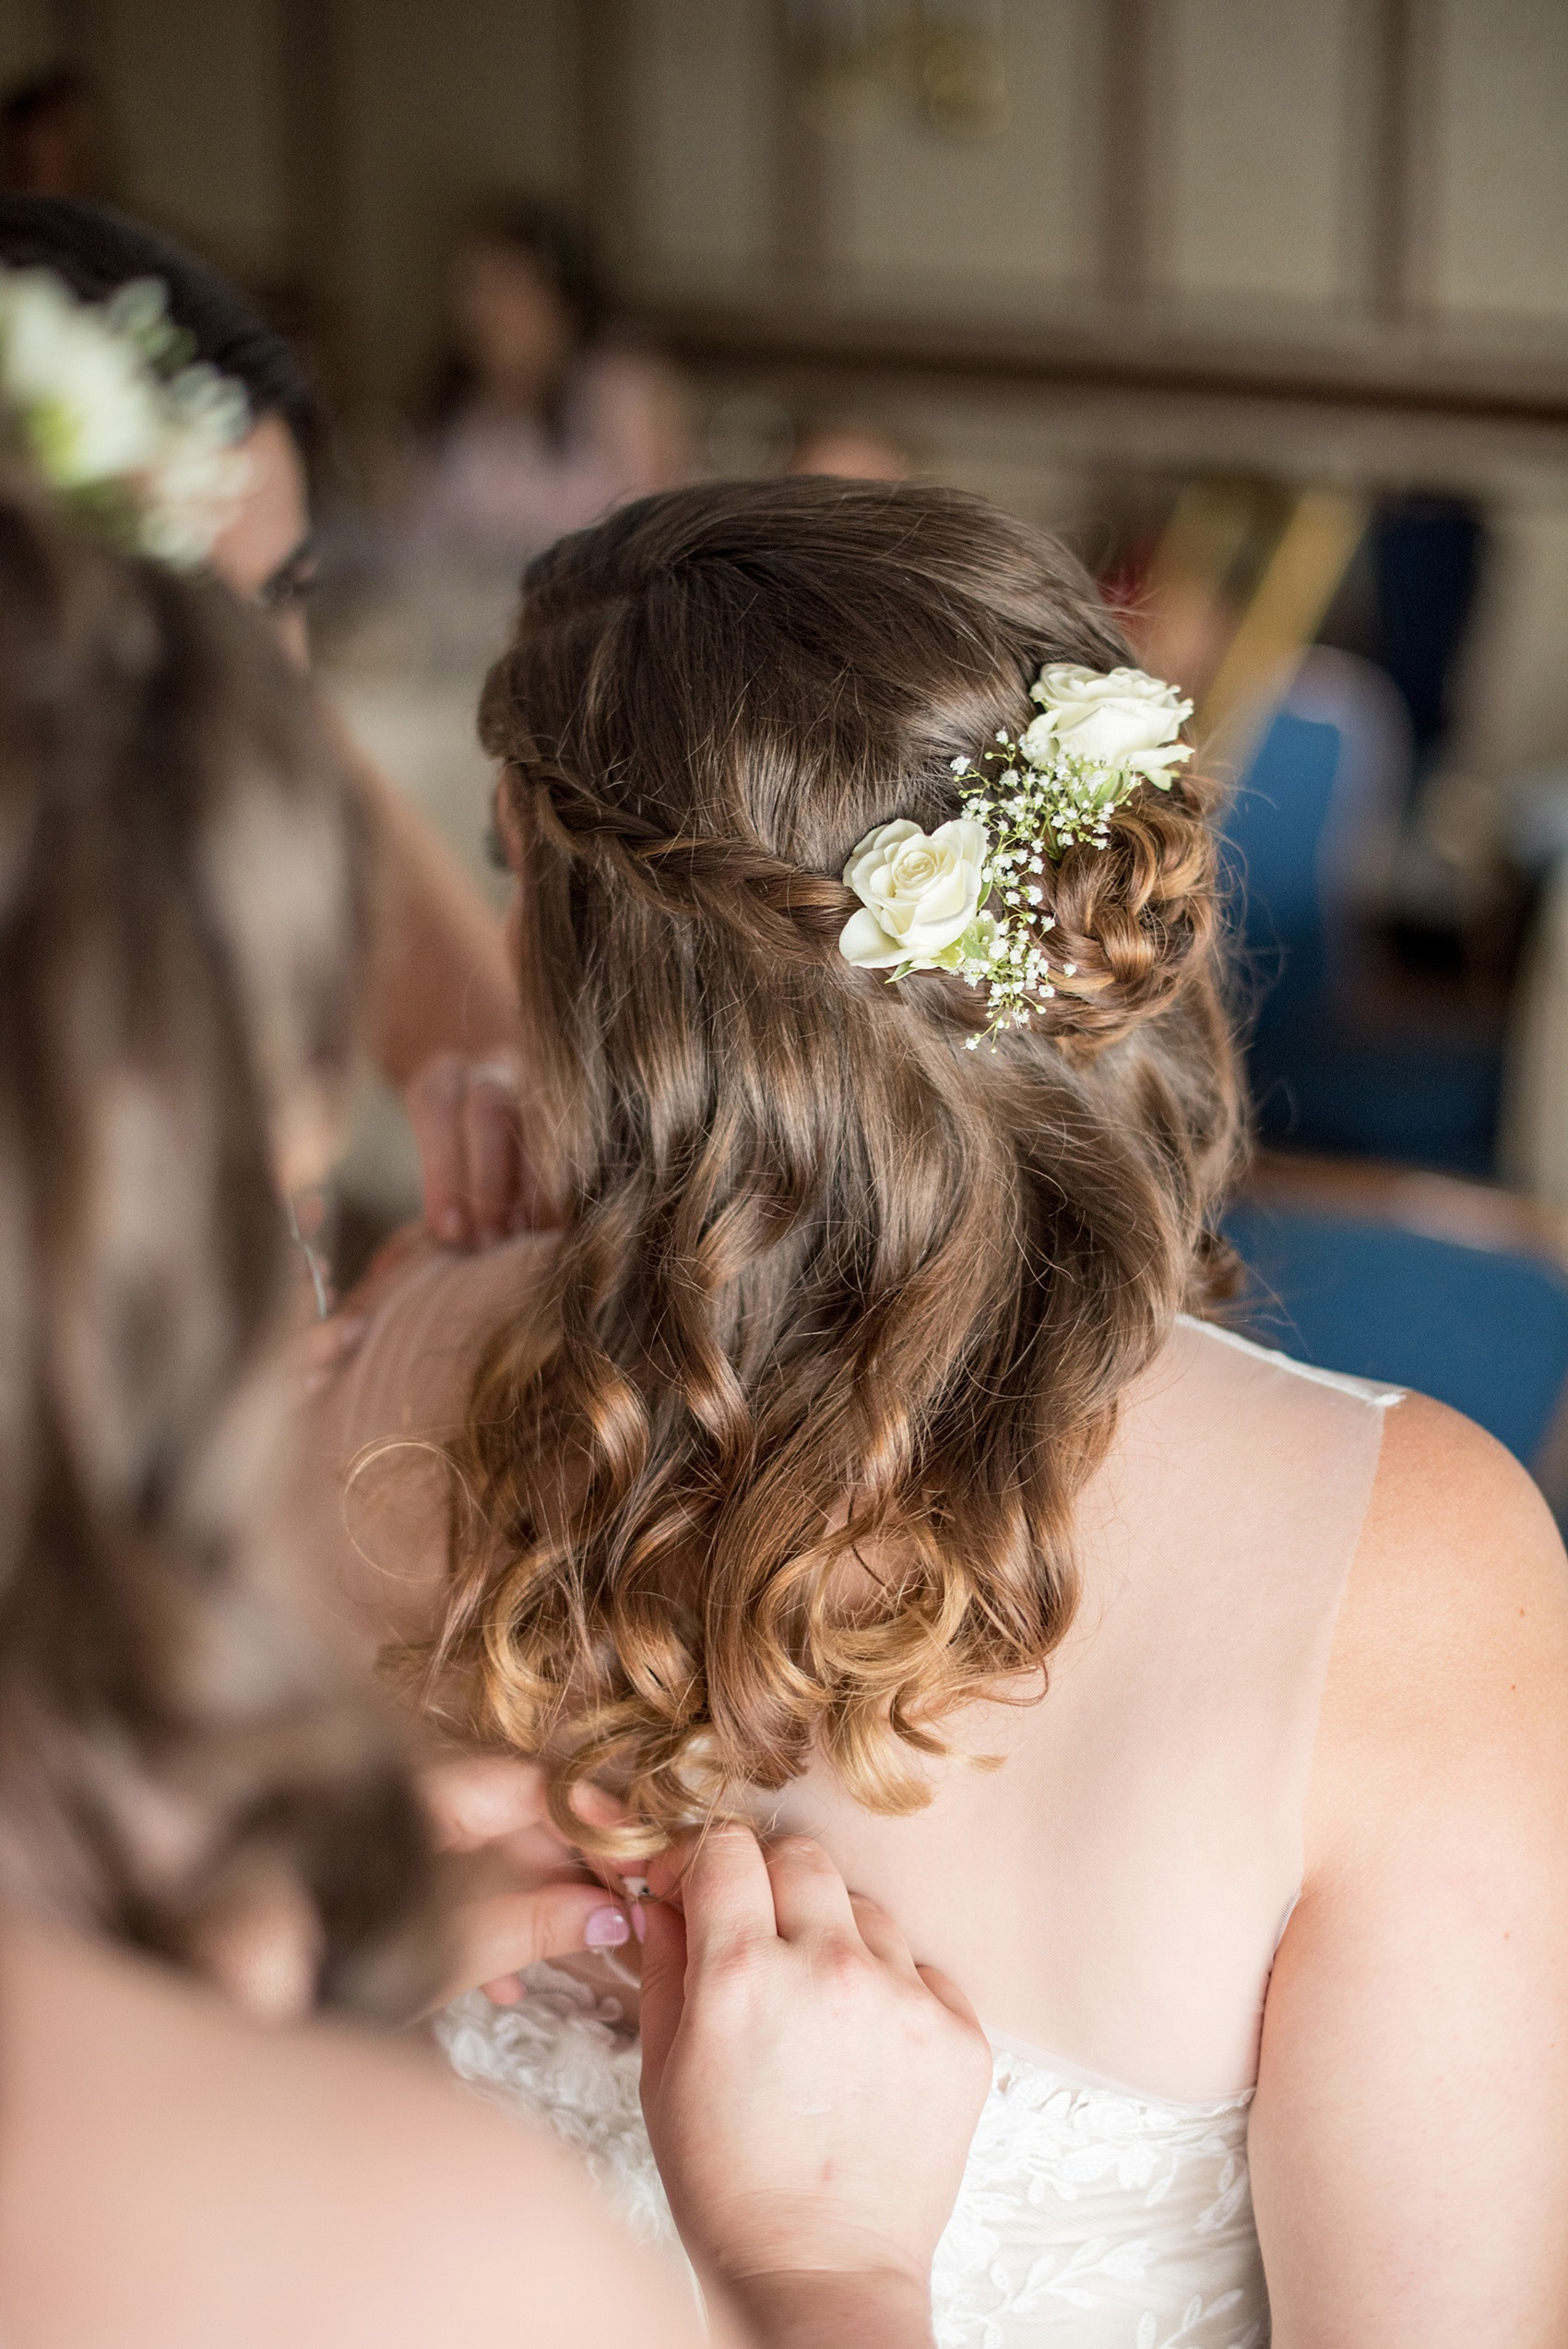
(1087, 2215)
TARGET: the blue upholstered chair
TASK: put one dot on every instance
(1310, 823)
(1452, 1288)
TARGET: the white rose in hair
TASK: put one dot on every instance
(920, 891)
(1126, 720)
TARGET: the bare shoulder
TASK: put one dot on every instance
(348, 2187)
(1414, 2064)
(1450, 1664)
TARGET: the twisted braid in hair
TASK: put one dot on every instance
(785, 1459)
(784, 911)
(1127, 917)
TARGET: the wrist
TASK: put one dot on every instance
(826, 2308)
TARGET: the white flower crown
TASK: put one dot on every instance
(139, 444)
(926, 895)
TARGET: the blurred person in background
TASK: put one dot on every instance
(213, 1861)
(52, 138)
(441, 980)
(851, 449)
(542, 423)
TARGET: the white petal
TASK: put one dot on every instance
(865, 943)
(967, 840)
(877, 849)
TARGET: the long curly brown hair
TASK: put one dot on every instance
(785, 1459)
(180, 927)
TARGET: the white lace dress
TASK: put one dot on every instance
(1088, 2214)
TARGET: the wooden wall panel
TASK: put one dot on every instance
(27, 38)
(1500, 241)
(922, 214)
(196, 97)
(701, 127)
(442, 106)
(1257, 129)
(1271, 171)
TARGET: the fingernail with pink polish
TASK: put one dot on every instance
(639, 1922)
(606, 1929)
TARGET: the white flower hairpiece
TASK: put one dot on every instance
(965, 898)
(104, 401)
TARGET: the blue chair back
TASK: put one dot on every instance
(1481, 1329)
(1271, 854)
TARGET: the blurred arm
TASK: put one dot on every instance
(440, 980)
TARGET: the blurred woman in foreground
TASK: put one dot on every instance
(186, 1771)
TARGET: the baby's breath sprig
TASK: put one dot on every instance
(1030, 812)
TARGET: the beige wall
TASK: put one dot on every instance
(1501, 230)
(199, 124)
(442, 101)
(1246, 126)
(1259, 133)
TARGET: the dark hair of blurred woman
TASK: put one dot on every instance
(97, 250)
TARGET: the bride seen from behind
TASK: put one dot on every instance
(847, 1458)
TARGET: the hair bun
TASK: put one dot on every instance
(1131, 917)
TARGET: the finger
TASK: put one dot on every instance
(310, 1213)
(492, 1149)
(882, 1936)
(327, 1343)
(323, 1348)
(435, 1101)
(663, 1990)
(726, 1895)
(597, 1807)
(510, 1930)
(480, 1798)
(665, 1872)
(810, 1898)
(941, 1986)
